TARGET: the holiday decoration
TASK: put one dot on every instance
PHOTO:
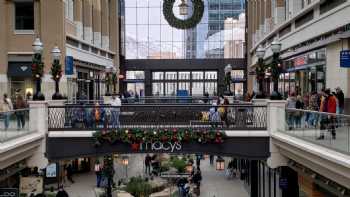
(135, 137)
(37, 66)
(198, 9)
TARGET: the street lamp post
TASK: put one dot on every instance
(227, 71)
(275, 68)
(109, 173)
(38, 68)
(114, 80)
(260, 70)
(56, 72)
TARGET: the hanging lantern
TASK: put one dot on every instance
(220, 164)
(183, 7)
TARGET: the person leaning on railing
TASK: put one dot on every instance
(20, 105)
(6, 108)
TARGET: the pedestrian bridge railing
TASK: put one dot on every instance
(326, 129)
(97, 117)
(14, 124)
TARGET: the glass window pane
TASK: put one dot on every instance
(131, 74)
(170, 89)
(24, 12)
(185, 86)
(131, 50)
(154, 15)
(154, 50)
(166, 50)
(178, 50)
(171, 75)
(142, 15)
(158, 75)
(155, 3)
(130, 3)
(166, 33)
(141, 3)
(211, 88)
(154, 33)
(197, 88)
(158, 89)
(142, 33)
(130, 16)
(197, 75)
(237, 74)
(184, 75)
(211, 75)
(142, 50)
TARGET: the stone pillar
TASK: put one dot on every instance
(38, 121)
(262, 18)
(268, 16)
(78, 17)
(276, 111)
(87, 21)
(258, 15)
(105, 23)
(280, 13)
(97, 22)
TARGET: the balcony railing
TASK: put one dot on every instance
(326, 129)
(14, 124)
(148, 116)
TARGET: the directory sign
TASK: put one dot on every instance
(345, 58)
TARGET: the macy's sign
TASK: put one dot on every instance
(161, 146)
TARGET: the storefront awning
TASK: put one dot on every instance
(19, 69)
(303, 67)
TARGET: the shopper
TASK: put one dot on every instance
(69, 173)
(115, 109)
(340, 97)
(332, 108)
(211, 160)
(148, 161)
(313, 106)
(291, 102)
(98, 172)
(7, 107)
(20, 113)
(214, 116)
(299, 104)
(61, 192)
(324, 117)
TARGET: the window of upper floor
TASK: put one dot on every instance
(24, 15)
(69, 9)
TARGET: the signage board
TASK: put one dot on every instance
(69, 65)
(283, 183)
(51, 170)
(9, 192)
(31, 185)
(345, 58)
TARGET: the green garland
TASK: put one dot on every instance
(37, 66)
(198, 10)
(137, 136)
(56, 70)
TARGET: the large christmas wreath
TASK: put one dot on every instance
(198, 9)
(37, 66)
(137, 136)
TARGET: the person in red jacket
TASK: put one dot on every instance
(332, 108)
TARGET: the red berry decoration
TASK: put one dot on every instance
(135, 146)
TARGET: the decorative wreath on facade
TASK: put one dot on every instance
(37, 66)
(198, 9)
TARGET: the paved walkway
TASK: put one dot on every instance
(214, 182)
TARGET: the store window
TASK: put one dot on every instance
(69, 10)
(24, 15)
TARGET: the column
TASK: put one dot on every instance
(254, 178)
(105, 24)
(296, 6)
(262, 18)
(87, 6)
(78, 17)
(280, 13)
(97, 22)
(258, 15)
(268, 16)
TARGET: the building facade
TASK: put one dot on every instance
(85, 31)
(312, 34)
(191, 60)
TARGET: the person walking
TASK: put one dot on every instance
(20, 113)
(313, 106)
(69, 172)
(211, 159)
(7, 107)
(61, 192)
(299, 104)
(323, 108)
(148, 161)
(341, 100)
(98, 172)
(115, 103)
(332, 108)
(291, 104)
